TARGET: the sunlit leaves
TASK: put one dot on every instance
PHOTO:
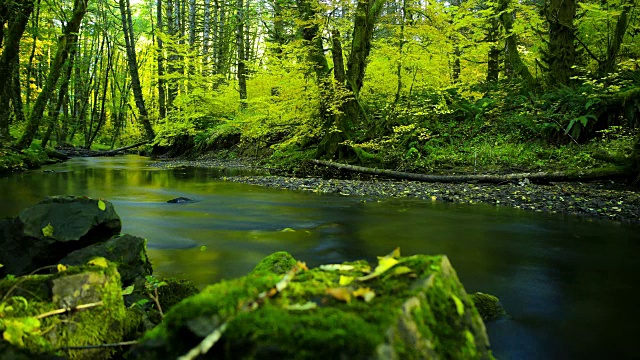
(101, 205)
(345, 280)
(16, 329)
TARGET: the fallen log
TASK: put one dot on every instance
(115, 151)
(598, 174)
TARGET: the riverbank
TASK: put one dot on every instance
(606, 200)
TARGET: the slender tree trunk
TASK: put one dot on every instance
(102, 115)
(35, 24)
(242, 71)
(173, 59)
(206, 28)
(65, 46)
(62, 95)
(401, 42)
(221, 42)
(338, 59)
(18, 19)
(192, 23)
(609, 64)
(162, 107)
(125, 13)
(561, 55)
(513, 61)
(493, 62)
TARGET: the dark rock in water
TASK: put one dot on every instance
(128, 252)
(46, 232)
(410, 308)
(180, 200)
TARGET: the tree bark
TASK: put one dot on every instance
(496, 179)
(125, 13)
(65, 44)
(206, 28)
(561, 54)
(162, 107)
(513, 61)
(609, 64)
(18, 18)
(493, 61)
(242, 71)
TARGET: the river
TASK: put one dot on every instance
(569, 284)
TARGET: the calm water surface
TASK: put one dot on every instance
(570, 285)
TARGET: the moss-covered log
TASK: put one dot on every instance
(415, 309)
(598, 174)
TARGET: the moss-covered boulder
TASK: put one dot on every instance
(78, 306)
(407, 308)
(128, 252)
(46, 232)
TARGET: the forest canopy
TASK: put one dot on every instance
(407, 84)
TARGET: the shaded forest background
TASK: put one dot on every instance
(405, 84)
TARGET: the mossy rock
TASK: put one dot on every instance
(488, 306)
(420, 311)
(28, 298)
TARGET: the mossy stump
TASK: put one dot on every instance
(418, 310)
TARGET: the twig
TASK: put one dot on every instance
(25, 278)
(88, 347)
(207, 343)
(156, 299)
(69, 309)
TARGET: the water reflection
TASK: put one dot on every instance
(568, 284)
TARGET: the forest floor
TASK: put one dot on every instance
(610, 200)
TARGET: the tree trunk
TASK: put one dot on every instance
(62, 94)
(65, 45)
(35, 25)
(496, 179)
(609, 64)
(162, 107)
(206, 26)
(561, 54)
(242, 71)
(17, 19)
(493, 62)
(513, 62)
(125, 13)
(366, 15)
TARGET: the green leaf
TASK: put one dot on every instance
(101, 205)
(47, 231)
(459, 304)
(203, 248)
(128, 290)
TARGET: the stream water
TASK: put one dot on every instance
(569, 284)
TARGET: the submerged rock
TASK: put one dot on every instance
(78, 306)
(415, 308)
(46, 232)
(180, 200)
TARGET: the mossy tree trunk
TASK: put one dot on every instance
(16, 14)
(613, 48)
(514, 65)
(560, 56)
(65, 44)
(127, 27)
(338, 130)
(493, 57)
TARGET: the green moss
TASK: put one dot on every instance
(174, 292)
(107, 323)
(412, 316)
(278, 263)
(488, 306)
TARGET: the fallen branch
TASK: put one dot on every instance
(88, 347)
(115, 151)
(496, 179)
(69, 309)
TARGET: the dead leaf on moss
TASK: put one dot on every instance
(365, 293)
(341, 293)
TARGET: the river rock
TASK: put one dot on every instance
(128, 252)
(415, 309)
(30, 320)
(180, 200)
(46, 232)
